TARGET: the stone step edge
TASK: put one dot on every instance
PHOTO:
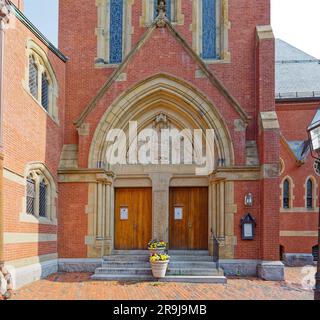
(171, 263)
(184, 279)
(172, 252)
(148, 269)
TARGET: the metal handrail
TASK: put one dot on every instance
(216, 250)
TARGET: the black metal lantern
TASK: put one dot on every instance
(248, 224)
(314, 138)
(248, 200)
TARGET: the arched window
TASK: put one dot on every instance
(210, 29)
(31, 195)
(114, 31)
(309, 198)
(39, 75)
(33, 77)
(45, 91)
(40, 79)
(286, 194)
(40, 192)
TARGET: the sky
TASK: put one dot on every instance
(294, 21)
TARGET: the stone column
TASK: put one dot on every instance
(221, 216)
(104, 233)
(212, 215)
(160, 203)
(216, 210)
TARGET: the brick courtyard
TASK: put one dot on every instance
(78, 286)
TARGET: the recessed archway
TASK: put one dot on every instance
(184, 105)
(160, 98)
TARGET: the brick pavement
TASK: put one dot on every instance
(77, 286)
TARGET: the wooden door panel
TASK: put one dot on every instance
(179, 228)
(123, 228)
(192, 231)
(143, 218)
(134, 233)
(198, 219)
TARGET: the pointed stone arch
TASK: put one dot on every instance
(163, 93)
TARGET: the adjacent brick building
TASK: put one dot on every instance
(187, 65)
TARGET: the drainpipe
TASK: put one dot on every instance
(4, 20)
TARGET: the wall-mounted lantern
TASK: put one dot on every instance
(248, 200)
(248, 224)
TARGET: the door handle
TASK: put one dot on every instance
(190, 225)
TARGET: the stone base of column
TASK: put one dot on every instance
(107, 247)
(271, 270)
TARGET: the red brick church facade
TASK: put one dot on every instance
(199, 66)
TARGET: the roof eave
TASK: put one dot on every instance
(24, 20)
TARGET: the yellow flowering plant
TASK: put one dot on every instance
(159, 257)
(155, 244)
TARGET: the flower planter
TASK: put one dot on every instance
(159, 268)
(156, 251)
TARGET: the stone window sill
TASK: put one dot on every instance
(216, 61)
(37, 220)
(106, 65)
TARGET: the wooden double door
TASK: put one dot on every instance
(133, 218)
(188, 219)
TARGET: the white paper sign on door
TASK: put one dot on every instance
(178, 213)
(124, 213)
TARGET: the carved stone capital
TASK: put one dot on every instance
(105, 178)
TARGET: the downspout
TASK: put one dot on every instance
(4, 20)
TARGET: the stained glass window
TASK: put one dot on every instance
(209, 29)
(286, 194)
(116, 31)
(309, 194)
